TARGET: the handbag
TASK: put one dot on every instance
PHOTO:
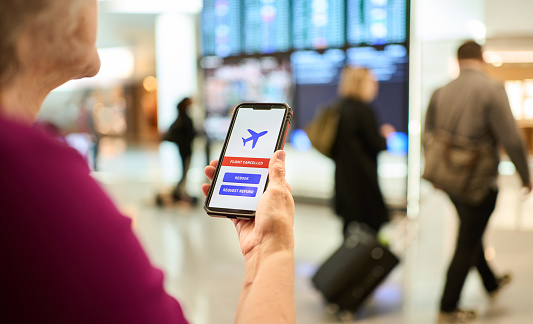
(323, 128)
(462, 167)
(174, 133)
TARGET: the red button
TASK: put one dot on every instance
(243, 162)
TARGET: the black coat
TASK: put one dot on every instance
(357, 193)
(182, 132)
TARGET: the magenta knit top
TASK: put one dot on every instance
(67, 255)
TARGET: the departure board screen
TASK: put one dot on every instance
(389, 64)
(208, 28)
(294, 51)
(316, 76)
(266, 26)
(376, 22)
(221, 28)
(311, 67)
(318, 24)
(250, 27)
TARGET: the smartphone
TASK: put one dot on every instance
(256, 131)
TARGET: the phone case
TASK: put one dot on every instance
(237, 213)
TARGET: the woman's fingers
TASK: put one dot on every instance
(205, 188)
(210, 173)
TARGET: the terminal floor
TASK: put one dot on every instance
(204, 267)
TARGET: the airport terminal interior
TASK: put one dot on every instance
(221, 53)
(204, 267)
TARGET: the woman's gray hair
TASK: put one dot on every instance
(44, 17)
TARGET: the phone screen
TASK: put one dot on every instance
(243, 172)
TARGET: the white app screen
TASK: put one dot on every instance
(243, 174)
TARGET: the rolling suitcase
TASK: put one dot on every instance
(348, 277)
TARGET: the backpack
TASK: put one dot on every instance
(323, 128)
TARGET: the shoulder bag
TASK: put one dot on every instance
(322, 130)
(460, 166)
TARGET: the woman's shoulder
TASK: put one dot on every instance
(23, 145)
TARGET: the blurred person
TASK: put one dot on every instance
(68, 255)
(358, 197)
(486, 115)
(182, 133)
(87, 124)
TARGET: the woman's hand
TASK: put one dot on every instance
(272, 228)
(267, 243)
(386, 130)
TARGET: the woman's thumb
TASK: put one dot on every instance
(276, 167)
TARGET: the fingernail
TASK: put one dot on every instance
(281, 156)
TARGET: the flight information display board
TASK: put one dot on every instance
(266, 26)
(208, 28)
(221, 28)
(311, 67)
(318, 24)
(376, 22)
(249, 27)
(294, 51)
(316, 77)
(389, 64)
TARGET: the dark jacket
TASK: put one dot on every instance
(181, 132)
(357, 193)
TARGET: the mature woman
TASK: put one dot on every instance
(357, 194)
(68, 255)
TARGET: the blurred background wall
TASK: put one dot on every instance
(155, 53)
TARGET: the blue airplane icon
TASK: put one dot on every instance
(255, 136)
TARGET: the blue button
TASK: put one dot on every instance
(238, 191)
(242, 178)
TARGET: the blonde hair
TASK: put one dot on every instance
(43, 19)
(357, 83)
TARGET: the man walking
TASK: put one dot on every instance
(485, 114)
